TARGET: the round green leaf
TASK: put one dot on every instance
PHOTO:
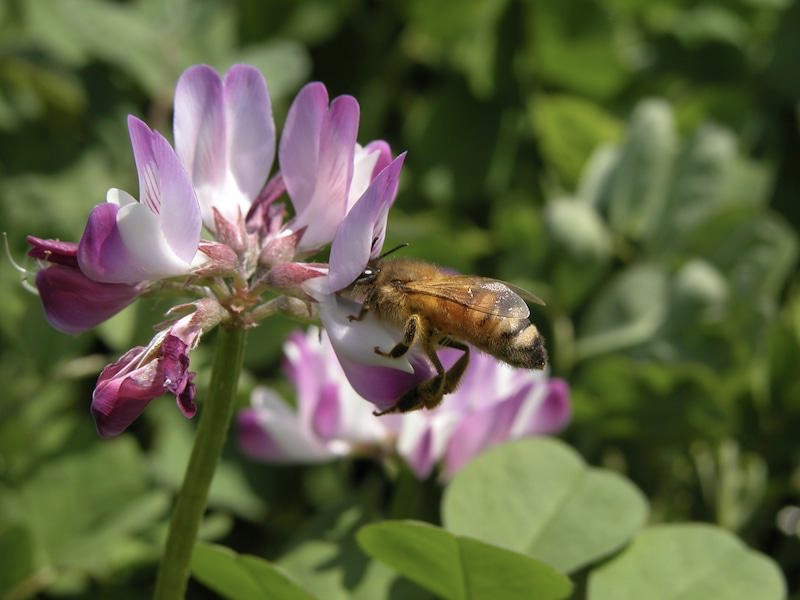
(241, 576)
(458, 568)
(537, 496)
(687, 562)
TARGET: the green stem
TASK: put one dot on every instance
(215, 418)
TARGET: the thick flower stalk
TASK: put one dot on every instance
(493, 404)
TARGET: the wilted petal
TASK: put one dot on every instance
(53, 251)
(123, 391)
(126, 387)
(73, 303)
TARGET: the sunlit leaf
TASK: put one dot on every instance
(537, 496)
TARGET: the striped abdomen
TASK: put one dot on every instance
(514, 341)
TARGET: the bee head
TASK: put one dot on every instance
(368, 276)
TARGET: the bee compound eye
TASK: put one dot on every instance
(367, 275)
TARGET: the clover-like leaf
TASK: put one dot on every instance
(456, 567)
(687, 562)
(537, 496)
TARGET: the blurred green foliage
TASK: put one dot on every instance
(634, 162)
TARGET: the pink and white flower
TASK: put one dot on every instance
(330, 420)
(495, 403)
(130, 241)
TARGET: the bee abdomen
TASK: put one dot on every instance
(521, 345)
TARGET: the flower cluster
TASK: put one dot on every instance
(494, 403)
(209, 222)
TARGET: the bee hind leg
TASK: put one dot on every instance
(456, 372)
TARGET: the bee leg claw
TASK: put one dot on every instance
(380, 352)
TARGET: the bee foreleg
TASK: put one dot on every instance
(409, 337)
(364, 310)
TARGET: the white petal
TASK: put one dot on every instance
(363, 165)
(357, 340)
(140, 230)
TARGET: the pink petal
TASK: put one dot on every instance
(299, 147)
(360, 236)
(250, 128)
(328, 204)
(545, 415)
(422, 459)
(271, 432)
(118, 398)
(199, 126)
(164, 187)
(384, 155)
(326, 420)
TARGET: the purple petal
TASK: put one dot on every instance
(102, 254)
(54, 251)
(384, 386)
(250, 128)
(73, 303)
(165, 188)
(360, 235)
(199, 127)
(299, 148)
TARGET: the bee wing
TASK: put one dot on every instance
(482, 294)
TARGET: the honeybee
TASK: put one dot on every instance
(434, 308)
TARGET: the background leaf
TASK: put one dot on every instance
(682, 562)
(241, 576)
(458, 567)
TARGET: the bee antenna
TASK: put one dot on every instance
(395, 249)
